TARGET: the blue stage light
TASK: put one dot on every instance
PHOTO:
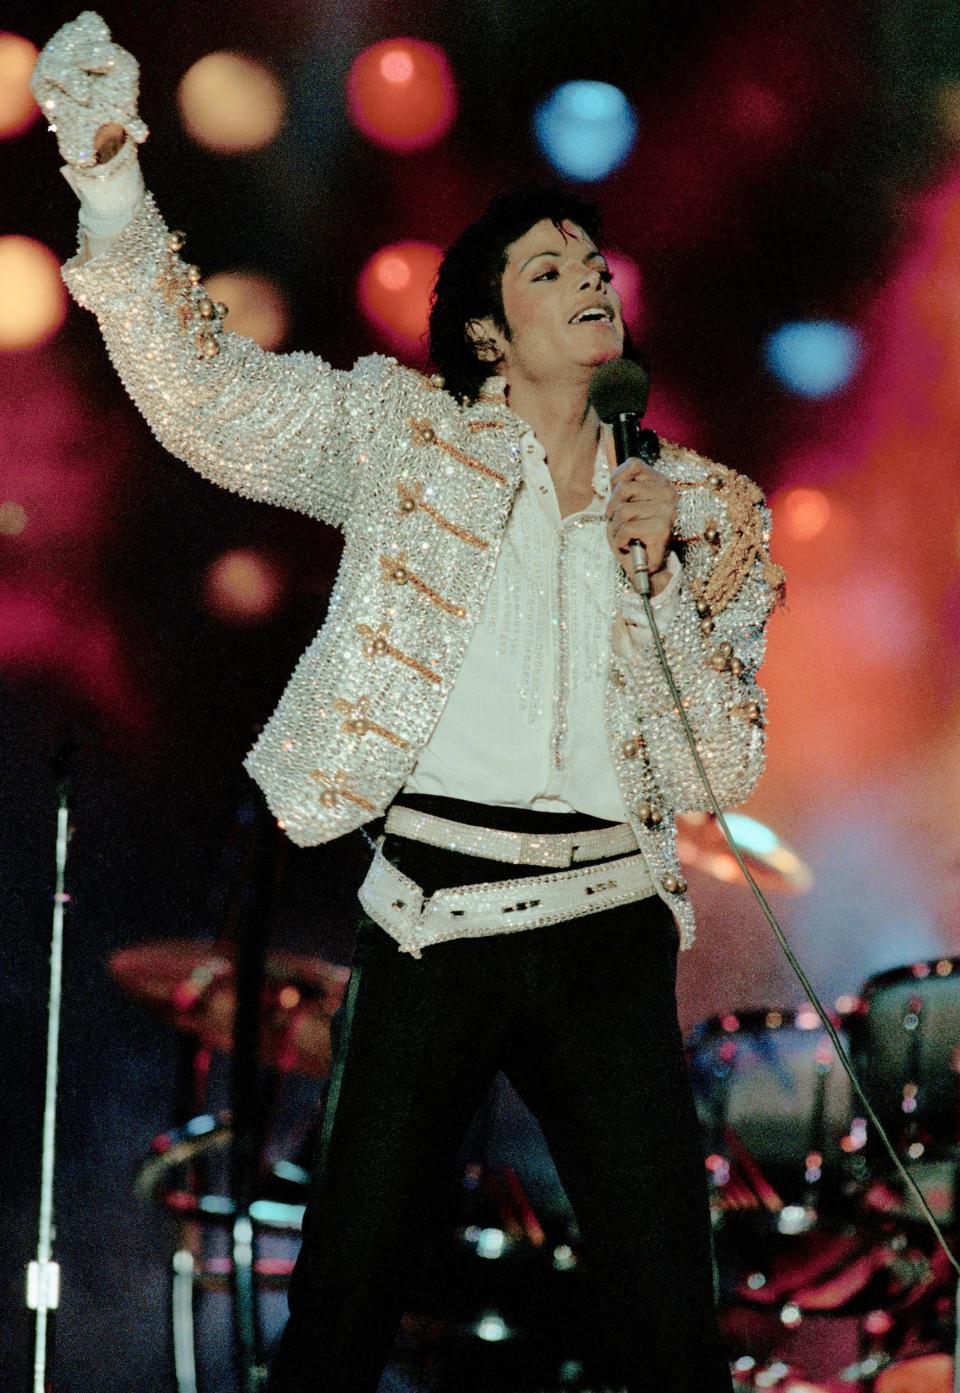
(585, 129)
(814, 358)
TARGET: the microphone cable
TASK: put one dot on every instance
(642, 587)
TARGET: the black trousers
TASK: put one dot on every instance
(581, 1017)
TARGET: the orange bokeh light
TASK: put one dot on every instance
(231, 103)
(33, 299)
(401, 94)
(18, 110)
(394, 291)
(242, 586)
(258, 308)
(803, 513)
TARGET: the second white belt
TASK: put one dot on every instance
(398, 905)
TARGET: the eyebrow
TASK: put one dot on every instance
(589, 257)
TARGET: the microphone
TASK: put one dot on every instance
(618, 393)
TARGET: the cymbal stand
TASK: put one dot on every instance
(43, 1274)
(247, 1101)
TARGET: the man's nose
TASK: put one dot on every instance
(591, 278)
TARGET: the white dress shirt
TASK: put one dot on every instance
(524, 725)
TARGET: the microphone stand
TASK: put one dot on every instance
(43, 1274)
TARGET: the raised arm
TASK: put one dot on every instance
(285, 429)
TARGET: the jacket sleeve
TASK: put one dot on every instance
(278, 428)
(714, 651)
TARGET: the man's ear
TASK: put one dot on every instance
(486, 338)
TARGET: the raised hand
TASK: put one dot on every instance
(87, 87)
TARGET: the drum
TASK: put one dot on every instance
(906, 1043)
(775, 1105)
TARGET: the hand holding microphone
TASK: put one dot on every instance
(642, 505)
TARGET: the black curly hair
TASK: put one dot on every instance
(469, 281)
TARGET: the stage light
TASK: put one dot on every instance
(13, 519)
(627, 282)
(257, 306)
(802, 513)
(18, 110)
(33, 299)
(394, 292)
(492, 1328)
(948, 111)
(814, 358)
(755, 109)
(231, 103)
(242, 587)
(401, 94)
(585, 129)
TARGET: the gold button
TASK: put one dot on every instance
(206, 308)
(630, 748)
(408, 506)
(715, 481)
(726, 650)
(210, 347)
(703, 609)
(753, 712)
(194, 274)
(379, 645)
(645, 813)
(328, 798)
(460, 612)
(736, 666)
(176, 241)
(671, 884)
(706, 627)
(399, 575)
(221, 310)
(711, 532)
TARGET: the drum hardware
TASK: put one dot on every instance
(192, 986)
(702, 846)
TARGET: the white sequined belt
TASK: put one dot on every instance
(397, 903)
(518, 848)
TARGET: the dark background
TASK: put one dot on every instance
(736, 230)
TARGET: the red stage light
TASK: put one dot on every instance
(627, 282)
(401, 94)
(394, 292)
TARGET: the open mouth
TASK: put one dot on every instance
(594, 314)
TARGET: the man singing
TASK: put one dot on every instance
(484, 699)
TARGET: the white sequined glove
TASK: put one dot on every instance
(83, 81)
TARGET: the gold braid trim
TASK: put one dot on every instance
(485, 425)
(395, 570)
(336, 788)
(745, 540)
(424, 434)
(412, 498)
(375, 644)
(358, 721)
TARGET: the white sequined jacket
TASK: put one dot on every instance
(421, 488)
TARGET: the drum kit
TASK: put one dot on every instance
(830, 1278)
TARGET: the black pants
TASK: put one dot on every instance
(581, 1017)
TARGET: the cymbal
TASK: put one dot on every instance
(190, 985)
(702, 845)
